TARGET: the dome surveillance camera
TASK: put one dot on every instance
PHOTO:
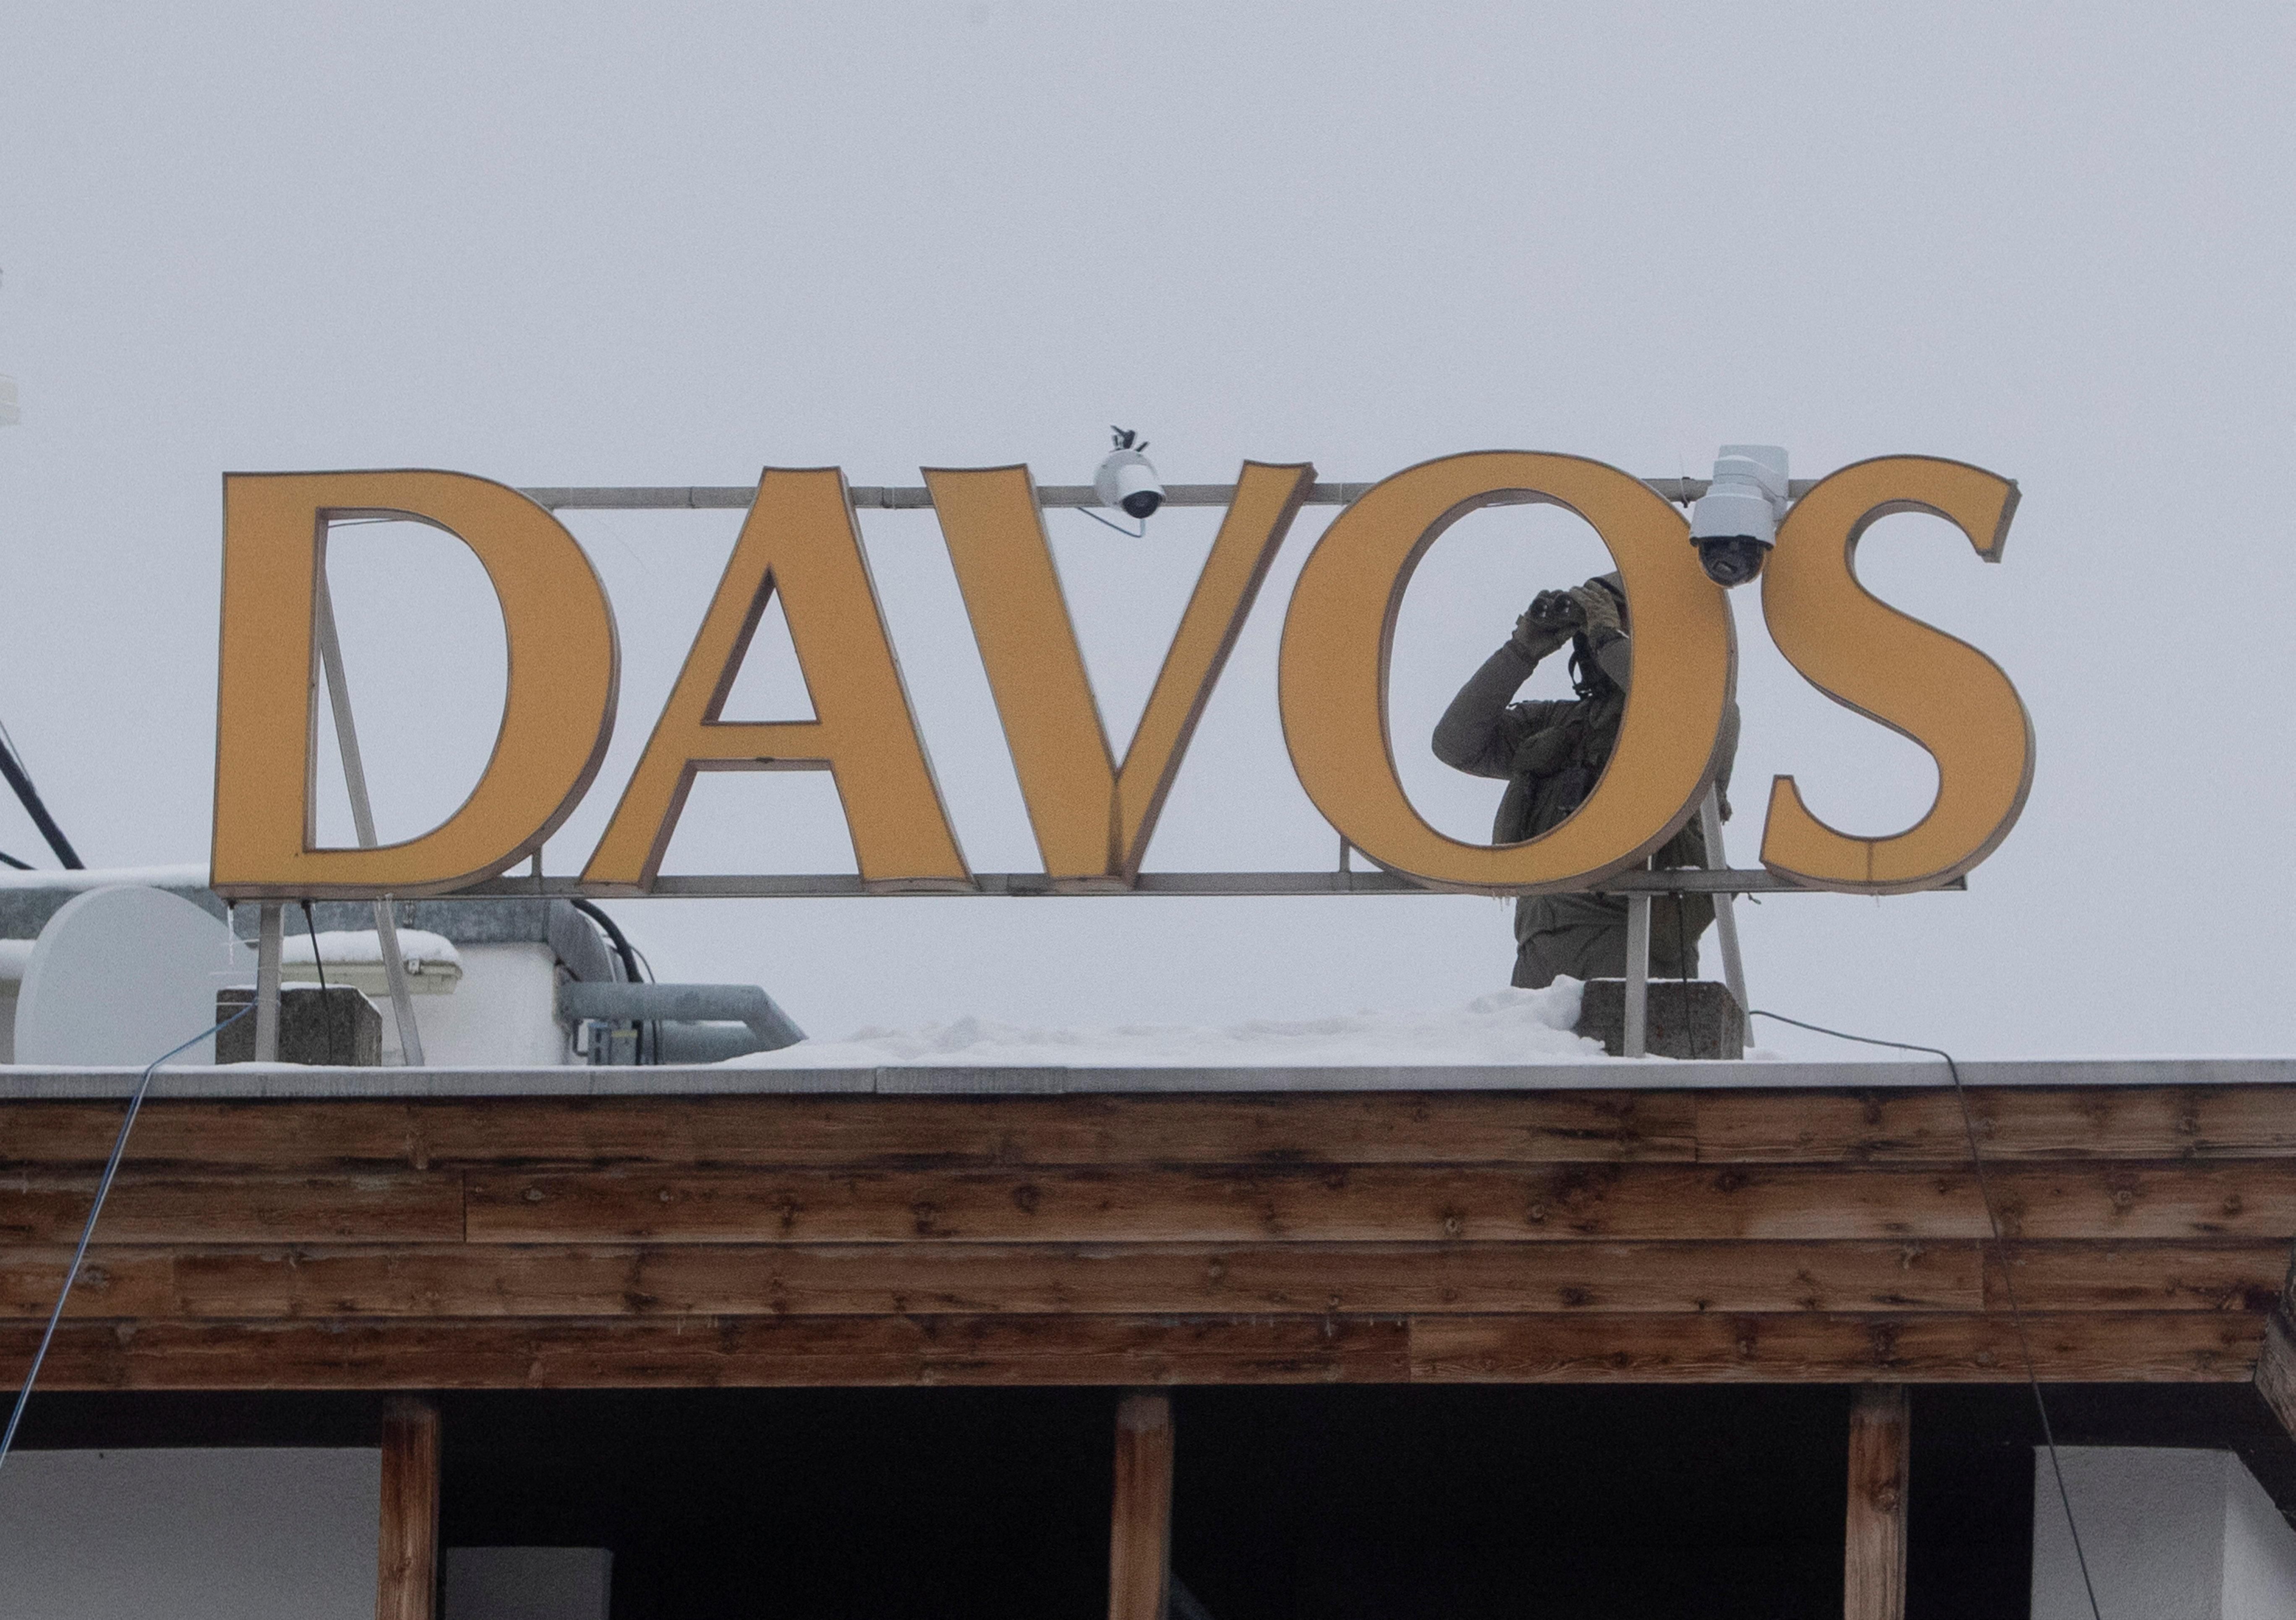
(1735, 522)
(1127, 480)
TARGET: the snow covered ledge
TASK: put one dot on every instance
(1510, 1040)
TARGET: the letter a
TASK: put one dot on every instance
(799, 539)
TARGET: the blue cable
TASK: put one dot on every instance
(87, 1233)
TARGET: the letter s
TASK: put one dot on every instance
(1916, 680)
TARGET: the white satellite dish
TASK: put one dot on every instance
(118, 977)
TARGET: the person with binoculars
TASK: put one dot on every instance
(1550, 754)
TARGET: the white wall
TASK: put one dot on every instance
(2170, 1534)
(240, 1533)
(2259, 1570)
(503, 1014)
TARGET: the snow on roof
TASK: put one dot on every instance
(192, 876)
(1505, 1027)
(353, 947)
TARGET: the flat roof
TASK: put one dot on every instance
(284, 1081)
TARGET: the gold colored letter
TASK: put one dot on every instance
(798, 539)
(558, 703)
(1916, 680)
(1092, 821)
(1342, 625)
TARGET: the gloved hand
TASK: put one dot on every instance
(1598, 615)
(1552, 618)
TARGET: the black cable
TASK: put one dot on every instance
(13, 768)
(87, 1231)
(8, 860)
(2001, 1252)
(326, 1008)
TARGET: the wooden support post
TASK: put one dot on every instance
(407, 1571)
(2276, 1368)
(1873, 1567)
(1140, 1525)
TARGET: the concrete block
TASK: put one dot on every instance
(336, 1026)
(1697, 1020)
(528, 1582)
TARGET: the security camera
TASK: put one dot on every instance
(1735, 522)
(1126, 478)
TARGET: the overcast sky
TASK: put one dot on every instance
(611, 244)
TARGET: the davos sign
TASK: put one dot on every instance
(1092, 810)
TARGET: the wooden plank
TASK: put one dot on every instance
(407, 1567)
(623, 1353)
(1381, 1203)
(272, 1135)
(1140, 1517)
(702, 1353)
(1492, 1127)
(2104, 1347)
(249, 1283)
(2193, 1275)
(1874, 1544)
(145, 1208)
(1801, 1126)
(870, 1280)
(1897, 1126)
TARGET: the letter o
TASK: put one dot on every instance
(1340, 630)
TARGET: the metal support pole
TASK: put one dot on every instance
(386, 927)
(1637, 1030)
(268, 934)
(1725, 914)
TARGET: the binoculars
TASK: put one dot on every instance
(1557, 610)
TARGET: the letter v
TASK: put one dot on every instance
(1093, 820)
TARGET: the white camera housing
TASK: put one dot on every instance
(1126, 480)
(1735, 522)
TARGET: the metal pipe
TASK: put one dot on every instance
(1018, 885)
(268, 935)
(386, 926)
(1636, 1041)
(912, 497)
(622, 1003)
(1725, 915)
(21, 780)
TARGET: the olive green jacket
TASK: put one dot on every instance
(1550, 755)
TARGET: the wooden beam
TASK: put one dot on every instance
(2275, 1362)
(1874, 1557)
(2276, 1370)
(1800, 1126)
(759, 1352)
(406, 1569)
(1413, 1127)
(1140, 1522)
(1910, 1127)
(237, 1283)
(1379, 1202)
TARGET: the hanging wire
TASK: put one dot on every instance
(1118, 527)
(87, 1231)
(2008, 1277)
(326, 1008)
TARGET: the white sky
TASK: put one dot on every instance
(671, 244)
